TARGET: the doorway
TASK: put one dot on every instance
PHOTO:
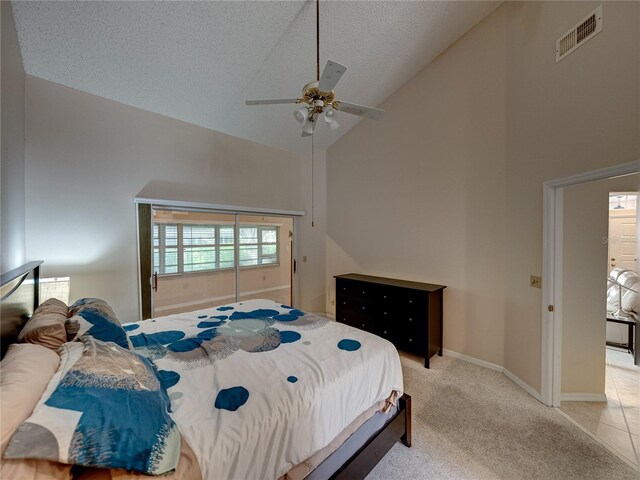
(202, 258)
(575, 277)
(622, 269)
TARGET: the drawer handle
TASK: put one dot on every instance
(385, 332)
(363, 308)
(410, 301)
(384, 296)
(363, 324)
(410, 319)
(344, 288)
(385, 313)
(344, 303)
(363, 292)
(411, 340)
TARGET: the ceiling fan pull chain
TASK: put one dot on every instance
(317, 40)
(313, 215)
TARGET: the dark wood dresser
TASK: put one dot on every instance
(408, 314)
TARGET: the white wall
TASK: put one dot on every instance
(86, 159)
(585, 271)
(562, 118)
(420, 194)
(12, 228)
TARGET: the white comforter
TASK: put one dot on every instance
(258, 387)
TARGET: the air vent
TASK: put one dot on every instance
(578, 35)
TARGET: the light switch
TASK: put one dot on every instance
(535, 282)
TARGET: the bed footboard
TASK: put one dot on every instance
(363, 461)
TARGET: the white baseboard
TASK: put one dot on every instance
(583, 397)
(475, 361)
(522, 384)
(498, 368)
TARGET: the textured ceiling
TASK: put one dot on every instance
(199, 61)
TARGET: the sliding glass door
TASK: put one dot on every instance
(265, 258)
(201, 259)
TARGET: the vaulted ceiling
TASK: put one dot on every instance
(199, 61)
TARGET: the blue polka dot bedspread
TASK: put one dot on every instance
(258, 387)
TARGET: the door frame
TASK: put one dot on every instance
(552, 260)
(144, 220)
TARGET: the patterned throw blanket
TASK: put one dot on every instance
(257, 387)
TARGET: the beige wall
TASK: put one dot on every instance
(86, 159)
(585, 267)
(12, 228)
(447, 188)
(562, 118)
(420, 194)
(190, 291)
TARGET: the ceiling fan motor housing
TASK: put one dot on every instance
(316, 98)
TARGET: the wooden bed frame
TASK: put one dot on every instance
(397, 428)
(19, 300)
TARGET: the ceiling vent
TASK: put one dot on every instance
(590, 26)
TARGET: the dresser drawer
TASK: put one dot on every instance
(411, 343)
(363, 305)
(357, 319)
(355, 289)
(391, 332)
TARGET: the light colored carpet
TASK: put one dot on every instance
(473, 423)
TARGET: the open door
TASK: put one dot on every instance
(265, 254)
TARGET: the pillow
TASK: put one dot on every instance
(105, 407)
(25, 372)
(46, 326)
(631, 298)
(92, 316)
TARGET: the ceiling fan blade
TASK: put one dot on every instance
(361, 110)
(330, 76)
(276, 101)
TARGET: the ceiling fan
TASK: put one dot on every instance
(318, 97)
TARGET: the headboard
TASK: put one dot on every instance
(19, 297)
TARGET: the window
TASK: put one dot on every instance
(165, 248)
(184, 248)
(198, 248)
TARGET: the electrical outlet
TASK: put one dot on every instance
(304, 258)
(535, 282)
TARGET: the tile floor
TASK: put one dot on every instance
(617, 421)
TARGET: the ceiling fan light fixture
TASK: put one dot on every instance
(330, 118)
(301, 114)
(307, 128)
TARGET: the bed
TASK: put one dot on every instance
(264, 390)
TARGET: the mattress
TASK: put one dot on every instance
(257, 387)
